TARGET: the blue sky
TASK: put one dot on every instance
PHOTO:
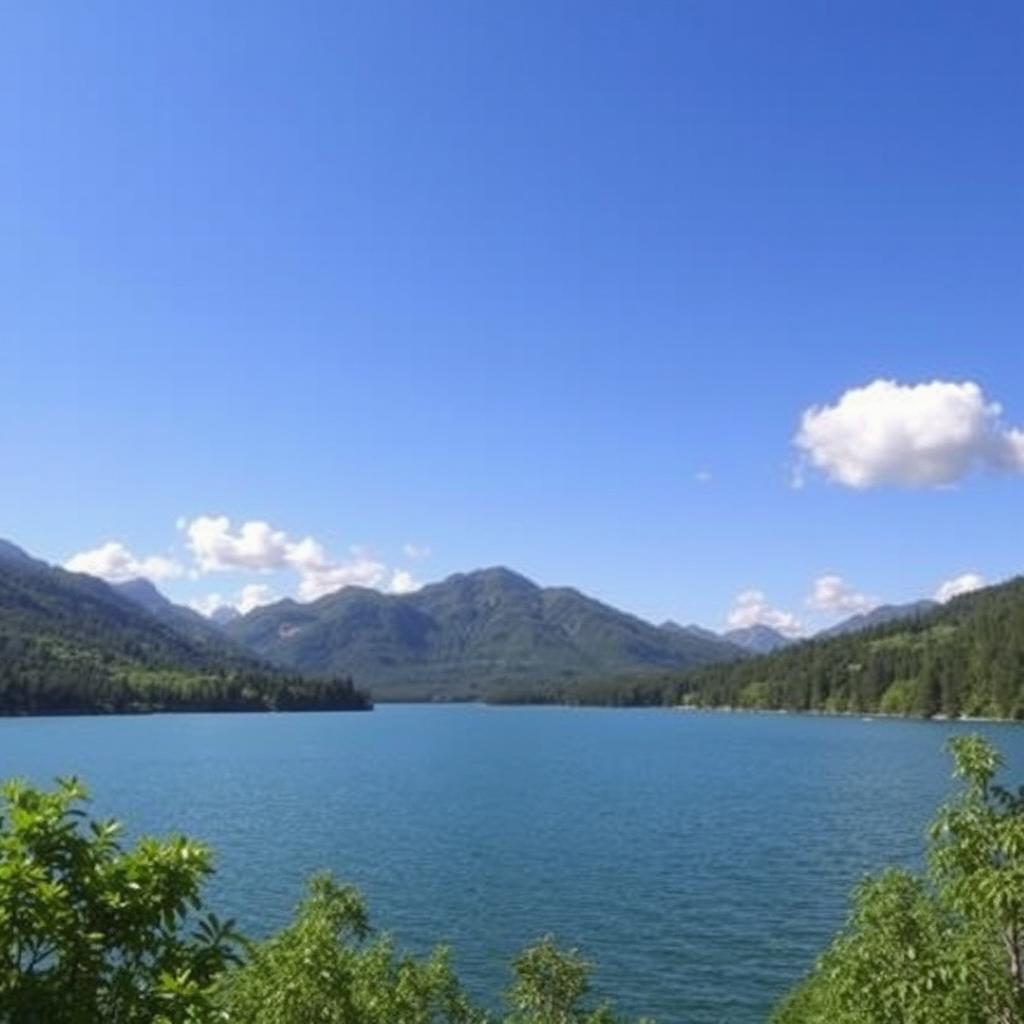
(541, 284)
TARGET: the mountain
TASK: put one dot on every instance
(185, 621)
(224, 614)
(465, 636)
(961, 658)
(758, 639)
(692, 630)
(11, 554)
(70, 642)
(879, 617)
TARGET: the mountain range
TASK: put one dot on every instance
(71, 643)
(466, 635)
(762, 639)
(962, 658)
(880, 616)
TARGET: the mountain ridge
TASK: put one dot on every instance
(961, 658)
(71, 643)
(879, 616)
(465, 634)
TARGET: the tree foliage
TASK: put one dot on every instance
(965, 658)
(91, 931)
(943, 949)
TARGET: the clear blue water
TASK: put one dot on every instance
(700, 859)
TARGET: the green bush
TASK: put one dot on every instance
(91, 932)
(943, 949)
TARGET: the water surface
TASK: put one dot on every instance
(701, 859)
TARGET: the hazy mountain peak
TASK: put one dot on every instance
(13, 555)
(142, 592)
(879, 617)
(224, 614)
(759, 638)
(495, 575)
(671, 626)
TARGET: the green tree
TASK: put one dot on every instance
(550, 987)
(944, 949)
(92, 932)
(324, 967)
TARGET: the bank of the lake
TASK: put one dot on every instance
(701, 860)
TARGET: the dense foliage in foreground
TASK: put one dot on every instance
(947, 948)
(965, 658)
(90, 931)
(70, 643)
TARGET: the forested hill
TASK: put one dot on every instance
(466, 635)
(963, 658)
(69, 642)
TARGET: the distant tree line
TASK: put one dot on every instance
(966, 658)
(36, 679)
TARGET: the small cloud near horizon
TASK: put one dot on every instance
(752, 608)
(832, 594)
(962, 584)
(115, 563)
(253, 595)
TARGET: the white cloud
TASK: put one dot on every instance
(115, 563)
(962, 584)
(208, 604)
(831, 593)
(924, 435)
(402, 582)
(254, 595)
(257, 547)
(363, 571)
(752, 609)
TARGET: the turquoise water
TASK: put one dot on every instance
(700, 859)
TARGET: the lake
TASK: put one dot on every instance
(700, 859)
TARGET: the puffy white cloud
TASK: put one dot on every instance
(831, 593)
(402, 582)
(751, 608)
(923, 435)
(962, 584)
(256, 546)
(115, 563)
(416, 551)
